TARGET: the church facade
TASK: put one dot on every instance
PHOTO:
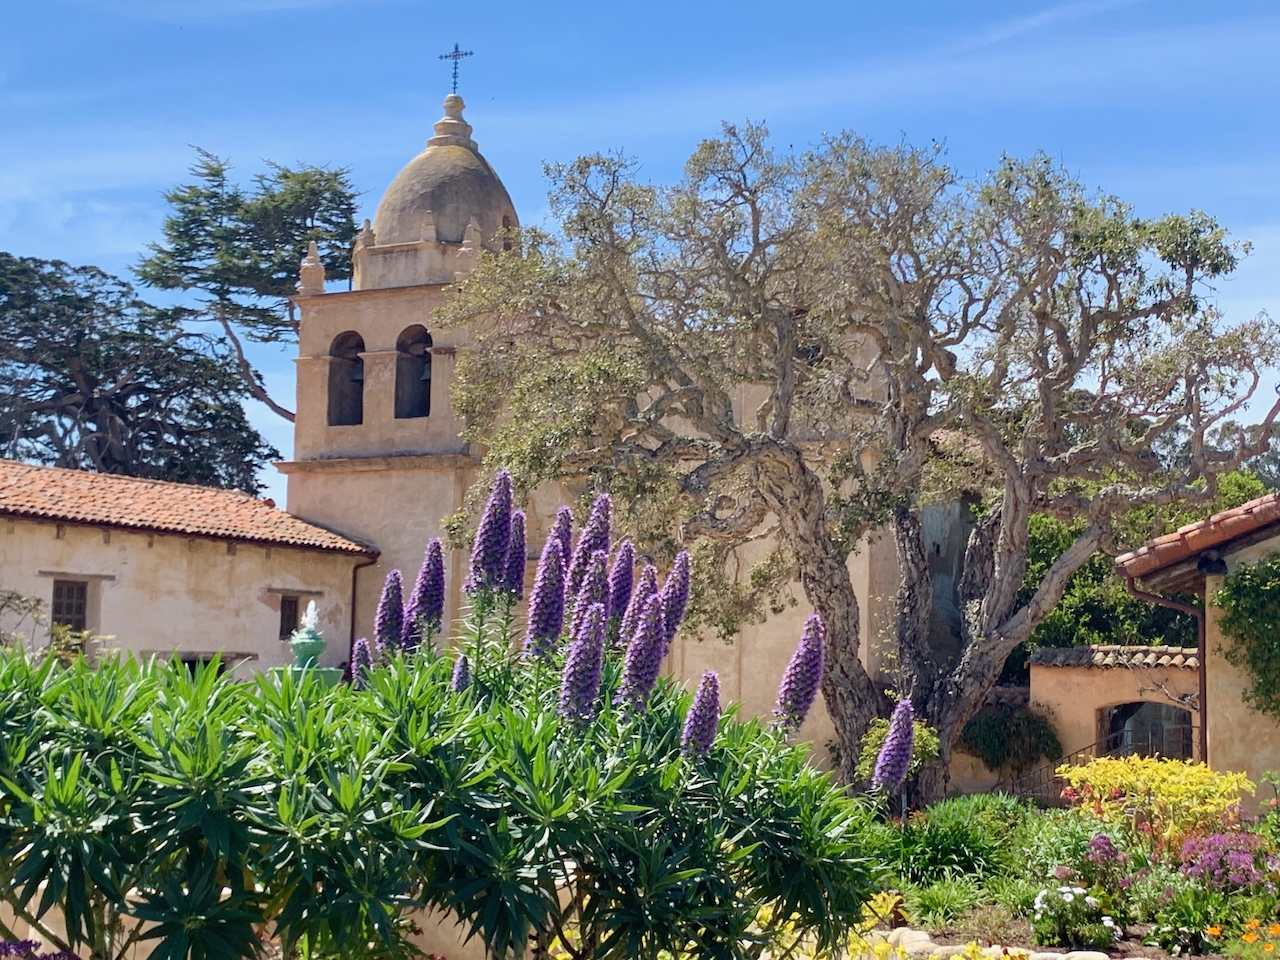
(377, 453)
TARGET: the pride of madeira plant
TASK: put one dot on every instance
(557, 796)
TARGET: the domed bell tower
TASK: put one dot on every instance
(377, 454)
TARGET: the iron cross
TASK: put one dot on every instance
(455, 55)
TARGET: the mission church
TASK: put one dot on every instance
(163, 568)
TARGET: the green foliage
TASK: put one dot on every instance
(92, 378)
(221, 812)
(937, 904)
(1017, 737)
(924, 747)
(1182, 922)
(1015, 894)
(962, 837)
(1250, 599)
(1071, 916)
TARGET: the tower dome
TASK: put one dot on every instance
(449, 183)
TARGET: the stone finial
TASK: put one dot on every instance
(429, 227)
(311, 276)
(471, 236)
(365, 237)
(468, 252)
(451, 129)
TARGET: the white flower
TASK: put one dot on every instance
(1068, 897)
(1091, 901)
(1108, 922)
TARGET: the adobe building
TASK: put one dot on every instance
(1197, 559)
(169, 568)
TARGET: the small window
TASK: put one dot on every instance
(288, 617)
(194, 661)
(346, 380)
(413, 373)
(71, 603)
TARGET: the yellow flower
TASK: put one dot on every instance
(1249, 937)
(1252, 925)
(1268, 947)
(1274, 930)
(1213, 932)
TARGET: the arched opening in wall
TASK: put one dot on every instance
(1148, 729)
(346, 380)
(413, 373)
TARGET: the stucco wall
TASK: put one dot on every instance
(162, 593)
(1072, 696)
(1240, 738)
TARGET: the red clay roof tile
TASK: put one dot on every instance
(77, 496)
(1187, 541)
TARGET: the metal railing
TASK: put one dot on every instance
(1044, 785)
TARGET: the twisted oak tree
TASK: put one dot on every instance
(805, 350)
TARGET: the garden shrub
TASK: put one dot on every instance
(227, 813)
(936, 904)
(959, 837)
(1151, 888)
(1015, 894)
(924, 747)
(1229, 861)
(1250, 599)
(1019, 737)
(1183, 923)
(1170, 799)
(1060, 838)
(1071, 916)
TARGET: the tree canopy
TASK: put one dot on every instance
(96, 379)
(238, 249)
(810, 348)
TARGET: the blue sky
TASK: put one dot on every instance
(1168, 104)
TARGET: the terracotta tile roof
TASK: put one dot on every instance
(1188, 541)
(155, 506)
(1110, 655)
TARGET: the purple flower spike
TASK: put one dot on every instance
(546, 602)
(895, 753)
(425, 611)
(580, 681)
(388, 625)
(493, 536)
(594, 589)
(595, 537)
(646, 587)
(643, 662)
(461, 674)
(513, 582)
(800, 683)
(361, 663)
(563, 533)
(704, 716)
(620, 577)
(675, 596)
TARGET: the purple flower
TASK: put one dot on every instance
(513, 582)
(1223, 861)
(646, 587)
(546, 602)
(580, 681)
(461, 674)
(895, 753)
(803, 677)
(493, 536)
(643, 662)
(675, 596)
(593, 589)
(388, 625)
(425, 612)
(704, 716)
(562, 531)
(620, 577)
(595, 538)
(361, 663)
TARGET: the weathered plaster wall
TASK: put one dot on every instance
(1240, 738)
(163, 593)
(1072, 696)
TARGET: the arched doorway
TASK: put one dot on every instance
(1147, 729)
